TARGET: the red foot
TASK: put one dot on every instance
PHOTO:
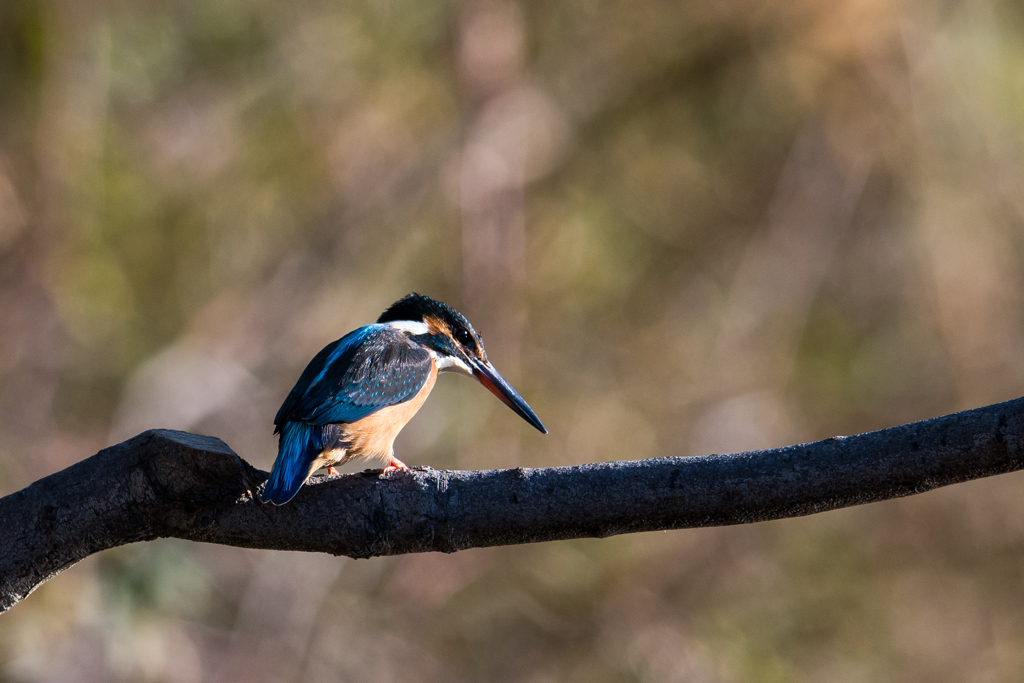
(394, 465)
(331, 471)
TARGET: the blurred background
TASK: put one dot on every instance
(681, 227)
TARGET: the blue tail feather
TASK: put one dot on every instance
(299, 446)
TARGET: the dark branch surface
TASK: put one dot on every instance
(175, 484)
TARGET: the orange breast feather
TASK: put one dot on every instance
(374, 435)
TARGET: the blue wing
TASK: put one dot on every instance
(368, 369)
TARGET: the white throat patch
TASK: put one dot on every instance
(452, 364)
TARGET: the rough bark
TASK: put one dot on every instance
(174, 484)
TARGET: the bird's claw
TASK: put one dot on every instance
(393, 465)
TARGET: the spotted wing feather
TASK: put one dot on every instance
(368, 369)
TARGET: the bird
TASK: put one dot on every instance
(358, 392)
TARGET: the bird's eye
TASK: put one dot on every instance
(462, 336)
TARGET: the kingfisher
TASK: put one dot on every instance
(357, 394)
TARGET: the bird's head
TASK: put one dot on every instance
(458, 347)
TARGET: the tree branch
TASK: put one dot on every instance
(174, 484)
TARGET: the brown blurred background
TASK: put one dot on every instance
(681, 227)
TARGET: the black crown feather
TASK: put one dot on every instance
(418, 307)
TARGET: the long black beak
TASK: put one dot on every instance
(497, 385)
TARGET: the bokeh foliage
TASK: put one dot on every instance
(681, 227)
